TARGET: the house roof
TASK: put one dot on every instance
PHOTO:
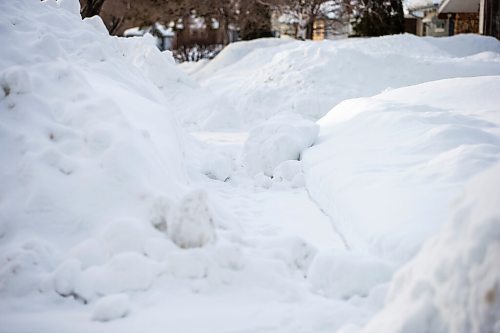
(413, 5)
(459, 6)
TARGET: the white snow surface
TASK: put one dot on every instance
(90, 142)
(266, 77)
(134, 198)
(385, 168)
(279, 139)
(453, 284)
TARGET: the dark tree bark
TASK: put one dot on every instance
(91, 7)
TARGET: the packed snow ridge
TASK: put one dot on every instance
(285, 186)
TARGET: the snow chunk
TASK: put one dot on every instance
(124, 272)
(159, 213)
(191, 264)
(65, 277)
(279, 139)
(190, 223)
(218, 166)
(287, 170)
(111, 307)
(15, 80)
(90, 252)
(345, 274)
(124, 236)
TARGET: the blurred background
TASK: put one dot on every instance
(198, 29)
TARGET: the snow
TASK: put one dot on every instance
(416, 4)
(111, 307)
(267, 77)
(331, 274)
(279, 139)
(452, 285)
(190, 224)
(379, 160)
(284, 186)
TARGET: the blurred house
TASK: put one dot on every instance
(451, 17)
(165, 36)
(462, 15)
(325, 27)
(186, 33)
(422, 19)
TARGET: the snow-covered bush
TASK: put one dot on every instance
(190, 223)
(279, 139)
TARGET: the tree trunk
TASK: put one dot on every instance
(91, 8)
(310, 29)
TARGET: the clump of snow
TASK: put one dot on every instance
(279, 139)
(65, 277)
(159, 213)
(380, 160)
(191, 223)
(218, 166)
(90, 252)
(345, 274)
(111, 307)
(453, 284)
(291, 172)
(125, 272)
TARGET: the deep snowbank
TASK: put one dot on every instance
(98, 217)
(91, 154)
(453, 283)
(386, 168)
(264, 77)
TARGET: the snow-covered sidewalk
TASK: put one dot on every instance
(285, 186)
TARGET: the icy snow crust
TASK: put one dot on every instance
(114, 219)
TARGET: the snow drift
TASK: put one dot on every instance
(281, 138)
(92, 157)
(265, 77)
(113, 217)
(453, 283)
(386, 168)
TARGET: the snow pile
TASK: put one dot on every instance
(277, 140)
(347, 274)
(453, 284)
(111, 307)
(92, 158)
(191, 223)
(265, 77)
(385, 168)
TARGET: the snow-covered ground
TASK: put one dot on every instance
(141, 195)
(262, 78)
